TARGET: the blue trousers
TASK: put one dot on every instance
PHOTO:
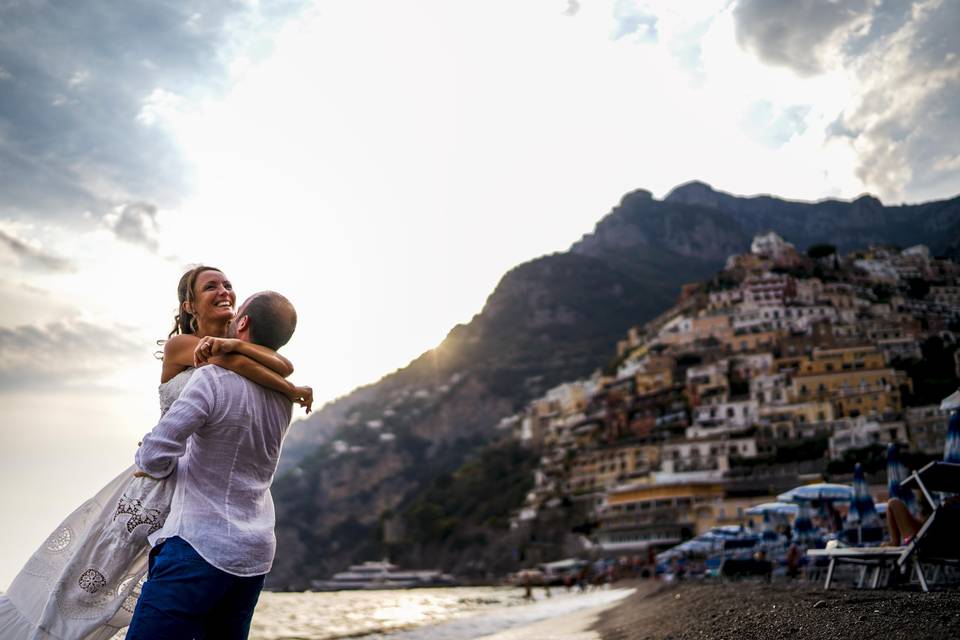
(186, 598)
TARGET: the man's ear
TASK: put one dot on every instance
(242, 323)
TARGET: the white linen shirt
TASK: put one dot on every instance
(224, 436)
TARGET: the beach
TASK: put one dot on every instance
(462, 613)
(752, 610)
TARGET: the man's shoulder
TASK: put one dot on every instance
(231, 381)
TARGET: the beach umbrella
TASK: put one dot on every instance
(951, 447)
(862, 508)
(821, 491)
(896, 474)
(803, 529)
(773, 508)
(951, 402)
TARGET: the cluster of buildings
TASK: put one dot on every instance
(752, 383)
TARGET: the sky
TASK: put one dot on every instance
(383, 164)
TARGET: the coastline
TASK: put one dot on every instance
(575, 625)
(802, 610)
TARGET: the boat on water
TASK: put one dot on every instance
(382, 575)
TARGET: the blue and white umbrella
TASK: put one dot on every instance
(951, 402)
(803, 530)
(821, 491)
(951, 447)
(862, 504)
(896, 474)
(773, 508)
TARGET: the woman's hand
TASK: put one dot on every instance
(209, 347)
(303, 396)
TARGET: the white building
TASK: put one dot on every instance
(769, 388)
(770, 245)
(705, 454)
(725, 417)
(860, 432)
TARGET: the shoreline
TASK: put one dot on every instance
(752, 610)
(578, 624)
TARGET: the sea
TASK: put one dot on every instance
(460, 613)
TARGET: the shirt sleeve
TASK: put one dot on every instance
(164, 445)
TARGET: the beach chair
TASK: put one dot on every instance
(937, 542)
(877, 558)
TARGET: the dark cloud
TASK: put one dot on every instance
(74, 78)
(32, 257)
(904, 57)
(136, 223)
(794, 33)
(65, 353)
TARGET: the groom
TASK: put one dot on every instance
(222, 438)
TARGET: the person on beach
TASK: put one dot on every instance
(84, 579)
(222, 438)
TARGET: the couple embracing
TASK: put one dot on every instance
(194, 514)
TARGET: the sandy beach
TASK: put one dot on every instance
(799, 611)
(575, 625)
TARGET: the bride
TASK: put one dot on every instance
(83, 581)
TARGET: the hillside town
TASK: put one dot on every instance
(785, 368)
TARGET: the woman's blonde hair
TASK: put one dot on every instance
(185, 322)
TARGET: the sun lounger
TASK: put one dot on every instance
(937, 542)
(877, 558)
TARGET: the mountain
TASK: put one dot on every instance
(352, 466)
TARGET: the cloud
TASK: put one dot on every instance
(633, 19)
(31, 256)
(573, 7)
(76, 79)
(796, 33)
(136, 223)
(65, 353)
(902, 60)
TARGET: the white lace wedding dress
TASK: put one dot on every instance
(83, 581)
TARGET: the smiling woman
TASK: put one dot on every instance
(88, 570)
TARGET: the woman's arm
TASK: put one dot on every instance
(182, 351)
(256, 372)
(264, 355)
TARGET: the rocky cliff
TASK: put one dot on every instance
(369, 455)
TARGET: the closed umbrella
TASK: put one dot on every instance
(803, 529)
(862, 514)
(951, 447)
(896, 474)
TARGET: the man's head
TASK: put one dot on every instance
(266, 318)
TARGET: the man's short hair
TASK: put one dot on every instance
(272, 319)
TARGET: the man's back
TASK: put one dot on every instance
(232, 430)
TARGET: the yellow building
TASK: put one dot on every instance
(854, 379)
(750, 341)
(598, 469)
(654, 379)
(638, 516)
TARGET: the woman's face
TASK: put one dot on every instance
(213, 297)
